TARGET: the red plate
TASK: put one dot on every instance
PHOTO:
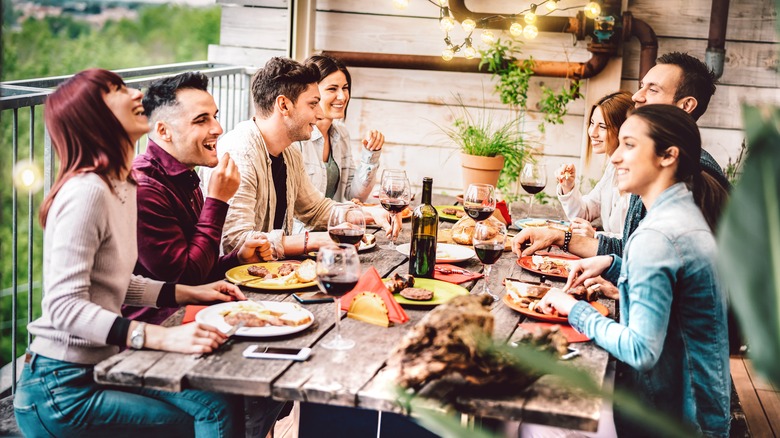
(527, 264)
(550, 318)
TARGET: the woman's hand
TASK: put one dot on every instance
(582, 227)
(566, 175)
(581, 270)
(188, 338)
(381, 217)
(374, 140)
(256, 249)
(208, 293)
(556, 299)
(604, 287)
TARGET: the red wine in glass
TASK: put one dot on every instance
(479, 213)
(532, 189)
(394, 205)
(336, 286)
(489, 253)
(346, 235)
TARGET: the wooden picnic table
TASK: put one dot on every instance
(357, 377)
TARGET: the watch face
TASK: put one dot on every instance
(137, 338)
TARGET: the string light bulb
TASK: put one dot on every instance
(551, 5)
(488, 37)
(468, 25)
(469, 52)
(401, 4)
(516, 30)
(530, 16)
(447, 54)
(446, 23)
(592, 10)
(442, 3)
(27, 177)
(530, 32)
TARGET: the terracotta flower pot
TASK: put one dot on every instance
(477, 169)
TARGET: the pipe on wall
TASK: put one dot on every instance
(648, 42)
(715, 56)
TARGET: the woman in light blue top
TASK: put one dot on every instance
(328, 155)
(672, 340)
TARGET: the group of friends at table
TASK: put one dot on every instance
(127, 239)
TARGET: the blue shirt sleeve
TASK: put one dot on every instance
(646, 287)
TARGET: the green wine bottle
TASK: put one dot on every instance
(425, 225)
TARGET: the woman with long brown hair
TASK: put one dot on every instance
(671, 340)
(89, 254)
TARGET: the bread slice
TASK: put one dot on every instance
(307, 271)
(296, 318)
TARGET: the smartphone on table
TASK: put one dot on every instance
(255, 351)
(312, 297)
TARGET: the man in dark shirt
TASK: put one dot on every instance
(178, 230)
(677, 79)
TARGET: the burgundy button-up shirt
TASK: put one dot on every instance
(178, 232)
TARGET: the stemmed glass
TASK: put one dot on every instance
(395, 172)
(394, 195)
(480, 201)
(489, 240)
(533, 178)
(346, 223)
(338, 270)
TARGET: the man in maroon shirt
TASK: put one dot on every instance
(178, 231)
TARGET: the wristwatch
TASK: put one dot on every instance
(138, 337)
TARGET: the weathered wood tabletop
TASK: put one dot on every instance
(358, 377)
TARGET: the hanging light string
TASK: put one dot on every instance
(528, 31)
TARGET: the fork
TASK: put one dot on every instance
(447, 271)
(229, 334)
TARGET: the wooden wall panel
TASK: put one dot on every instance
(749, 20)
(261, 28)
(281, 4)
(747, 63)
(242, 55)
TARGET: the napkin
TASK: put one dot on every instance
(502, 208)
(372, 282)
(454, 278)
(565, 329)
(190, 312)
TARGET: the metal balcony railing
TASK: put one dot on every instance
(22, 102)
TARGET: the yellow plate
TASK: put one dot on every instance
(442, 292)
(448, 217)
(239, 275)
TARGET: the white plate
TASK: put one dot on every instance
(445, 252)
(212, 315)
(366, 246)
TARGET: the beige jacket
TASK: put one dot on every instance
(253, 207)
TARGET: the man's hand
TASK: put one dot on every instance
(374, 140)
(256, 249)
(225, 179)
(382, 218)
(532, 239)
(208, 293)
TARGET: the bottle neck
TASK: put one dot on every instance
(426, 194)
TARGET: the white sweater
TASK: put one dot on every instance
(89, 252)
(604, 201)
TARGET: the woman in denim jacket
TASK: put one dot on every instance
(671, 341)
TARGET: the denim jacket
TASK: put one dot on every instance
(673, 325)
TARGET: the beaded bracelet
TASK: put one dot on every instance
(566, 240)
(305, 242)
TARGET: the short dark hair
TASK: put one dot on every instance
(163, 92)
(697, 80)
(281, 77)
(328, 65)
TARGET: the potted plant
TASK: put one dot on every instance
(492, 150)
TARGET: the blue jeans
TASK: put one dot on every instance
(56, 398)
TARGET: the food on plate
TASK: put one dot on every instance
(307, 271)
(526, 294)
(260, 271)
(254, 314)
(442, 254)
(285, 269)
(368, 239)
(399, 282)
(583, 293)
(453, 212)
(549, 266)
(535, 223)
(417, 294)
(463, 231)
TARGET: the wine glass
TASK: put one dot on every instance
(394, 195)
(489, 240)
(533, 178)
(480, 201)
(346, 223)
(338, 270)
(395, 172)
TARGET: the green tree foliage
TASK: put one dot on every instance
(61, 45)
